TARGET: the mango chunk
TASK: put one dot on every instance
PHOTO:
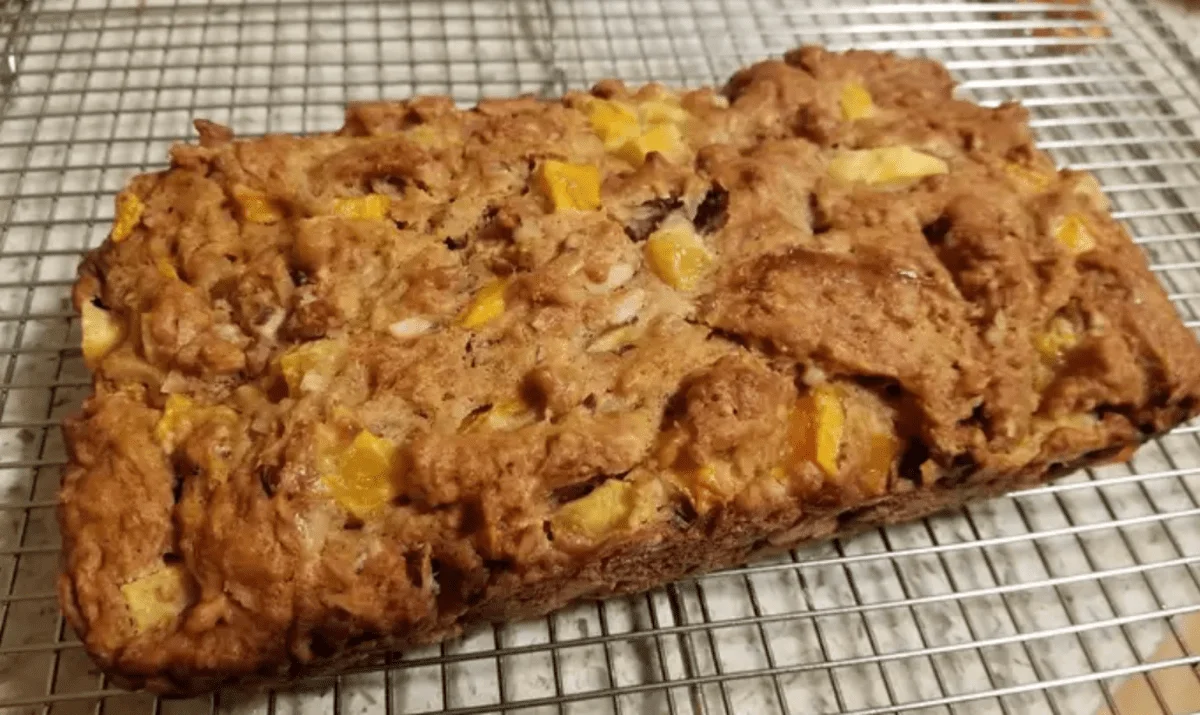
(372, 207)
(666, 139)
(570, 187)
(101, 333)
(664, 109)
(256, 206)
(180, 416)
(1060, 337)
(613, 506)
(831, 420)
(308, 366)
(885, 165)
(678, 257)
(503, 415)
(614, 339)
(158, 598)
(1026, 180)
(362, 483)
(487, 305)
(614, 122)
(176, 414)
(713, 481)
(129, 209)
(1073, 233)
(165, 269)
(856, 101)
(881, 454)
(599, 513)
(817, 424)
(632, 132)
(424, 135)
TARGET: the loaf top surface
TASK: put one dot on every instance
(344, 378)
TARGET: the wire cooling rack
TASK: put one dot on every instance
(1071, 598)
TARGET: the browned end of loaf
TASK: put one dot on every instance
(358, 390)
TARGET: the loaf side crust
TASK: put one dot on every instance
(602, 429)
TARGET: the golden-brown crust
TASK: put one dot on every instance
(923, 304)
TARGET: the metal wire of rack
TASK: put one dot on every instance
(1069, 598)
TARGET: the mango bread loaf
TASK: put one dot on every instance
(356, 391)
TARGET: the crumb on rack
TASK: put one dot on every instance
(1092, 24)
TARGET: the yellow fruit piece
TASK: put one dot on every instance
(632, 133)
(817, 424)
(881, 454)
(101, 333)
(886, 165)
(677, 256)
(363, 480)
(487, 305)
(613, 339)
(506, 414)
(372, 207)
(1072, 232)
(1027, 180)
(665, 139)
(165, 269)
(508, 408)
(180, 416)
(614, 122)
(423, 135)
(175, 418)
(308, 366)
(128, 215)
(856, 101)
(717, 482)
(570, 186)
(156, 599)
(603, 511)
(257, 207)
(662, 110)
(831, 421)
(1057, 341)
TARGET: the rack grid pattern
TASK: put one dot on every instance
(1059, 599)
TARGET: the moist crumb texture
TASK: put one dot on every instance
(356, 391)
